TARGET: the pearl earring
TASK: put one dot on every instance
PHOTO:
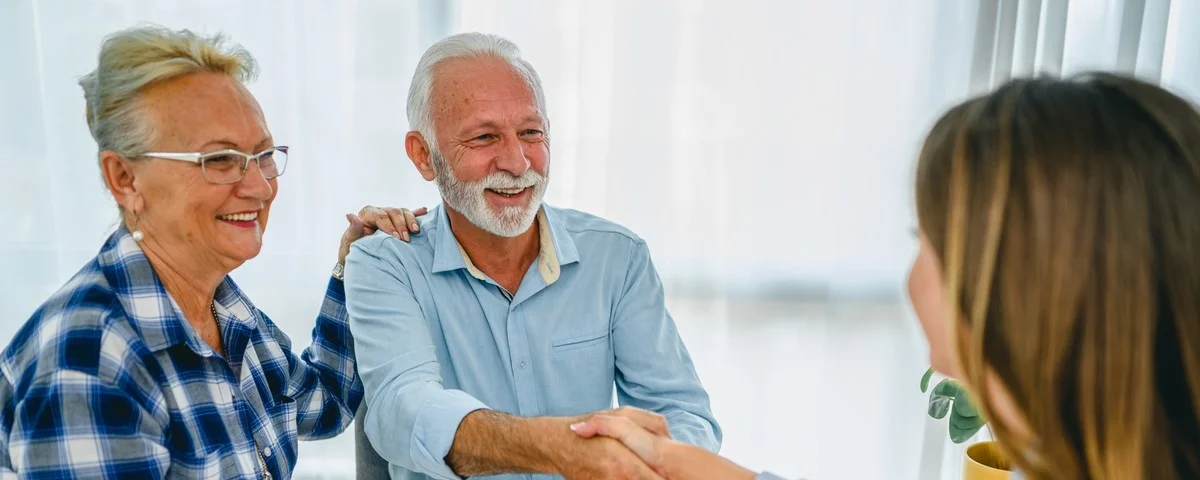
(137, 233)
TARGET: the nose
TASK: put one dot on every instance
(254, 184)
(512, 157)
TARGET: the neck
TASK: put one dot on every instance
(185, 277)
(504, 259)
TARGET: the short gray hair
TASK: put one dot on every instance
(133, 59)
(464, 45)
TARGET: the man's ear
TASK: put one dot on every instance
(418, 152)
(119, 176)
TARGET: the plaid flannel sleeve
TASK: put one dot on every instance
(325, 377)
(72, 424)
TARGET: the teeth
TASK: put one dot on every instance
(240, 217)
(508, 191)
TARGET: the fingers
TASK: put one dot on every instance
(411, 221)
(644, 445)
(391, 225)
(397, 221)
(356, 230)
(378, 218)
(410, 218)
(585, 429)
(652, 422)
(402, 216)
(604, 425)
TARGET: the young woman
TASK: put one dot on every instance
(1058, 277)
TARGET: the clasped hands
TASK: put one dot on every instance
(630, 443)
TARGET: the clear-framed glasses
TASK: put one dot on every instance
(229, 166)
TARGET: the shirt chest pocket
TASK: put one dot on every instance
(583, 356)
(568, 343)
(582, 369)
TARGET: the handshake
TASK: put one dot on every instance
(625, 443)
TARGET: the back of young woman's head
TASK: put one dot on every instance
(1066, 215)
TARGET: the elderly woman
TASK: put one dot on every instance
(1058, 276)
(150, 361)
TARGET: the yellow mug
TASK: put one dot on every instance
(985, 462)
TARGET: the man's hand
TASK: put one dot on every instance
(489, 443)
(648, 446)
(602, 458)
(668, 458)
(397, 222)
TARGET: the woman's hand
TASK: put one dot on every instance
(646, 445)
(397, 222)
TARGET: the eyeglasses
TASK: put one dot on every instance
(223, 167)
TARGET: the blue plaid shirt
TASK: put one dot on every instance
(107, 380)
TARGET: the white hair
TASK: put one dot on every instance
(464, 45)
(133, 59)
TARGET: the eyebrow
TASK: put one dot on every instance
(264, 143)
(533, 117)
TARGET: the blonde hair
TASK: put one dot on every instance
(1065, 213)
(132, 60)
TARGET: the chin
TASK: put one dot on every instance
(244, 252)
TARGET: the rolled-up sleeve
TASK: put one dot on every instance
(411, 419)
(654, 370)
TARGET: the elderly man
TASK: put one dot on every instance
(506, 321)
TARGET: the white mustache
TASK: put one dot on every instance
(505, 181)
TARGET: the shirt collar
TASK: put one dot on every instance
(556, 247)
(150, 309)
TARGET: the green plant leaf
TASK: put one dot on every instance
(946, 388)
(942, 398)
(925, 379)
(939, 407)
(963, 423)
(963, 406)
(963, 428)
(950, 398)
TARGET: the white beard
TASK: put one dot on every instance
(468, 198)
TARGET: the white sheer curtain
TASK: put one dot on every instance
(759, 148)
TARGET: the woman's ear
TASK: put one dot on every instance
(119, 176)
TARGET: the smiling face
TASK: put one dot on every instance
(180, 209)
(492, 158)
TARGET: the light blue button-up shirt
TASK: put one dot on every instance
(436, 339)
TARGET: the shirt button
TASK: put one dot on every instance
(267, 452)
(522, 366)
